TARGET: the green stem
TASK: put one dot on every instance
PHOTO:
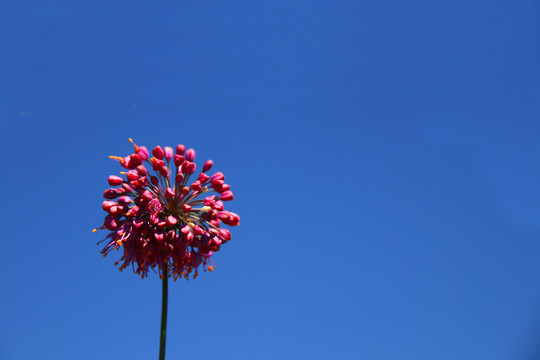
(163, 332)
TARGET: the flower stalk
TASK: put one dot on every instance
(164, 301)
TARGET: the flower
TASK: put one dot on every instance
(161, 220)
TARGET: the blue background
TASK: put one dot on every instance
(383, 155)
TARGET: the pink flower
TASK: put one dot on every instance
(164, 221)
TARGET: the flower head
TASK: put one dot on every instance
(162, 219)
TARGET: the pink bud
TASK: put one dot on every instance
(168, 152)
(110, 222)
(133, 211)
(157, 164)
(190, 155)
(164, 171)
(115, 180)
(209, 200)
(218, 205)
(171, 235)
(132, 176)
(189, 167)
(158, 152)
(225, 187)
(197, 230)
(134, 161)
(171, 220)
(217, 176)
(110, 194)
(178, 160)
(108, 204)
(159, 235)
(124, 200)
(154, 180)
(180, 149)
(185, 229)
(142, 170)
(116, 210)
(203, 178)
(235, 219)
(142, 151)
(146, 195)
(185, 190)
(223, 215)
(186, 208)
(207, 165)
(217, 185)
(196, 186)
(127, 188)
(224, 234)
(226, 196)
(169, 192)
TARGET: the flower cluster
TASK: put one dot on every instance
(159, 220)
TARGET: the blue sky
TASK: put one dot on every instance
(383, 155)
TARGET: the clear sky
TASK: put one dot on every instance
(384, 157)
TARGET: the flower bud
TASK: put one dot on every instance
(110, 194)
(197, 230)
(146, 195)
(235, 219)
(207, 165)
(203, 178)
(127, 188)
(186, 208)
(218, 205)
(185, 229)
(171, 220)
(223, 215)
(190, 155)
(164, 171)
(168, 152)
(124, 200)
(224, 234)
(189, 167)
(107, 205)
(142, 170)
(169, 192)
(110, 222)
(157, 164)
(158, 152)
(116, 210)
(115, 180)
(142, 151)
(217, 185)
(178, 160)
(133, 211)
(217, 176)
(134, 161)
(180, 149)
(132, 176)
(226, 196)
(154, 180)
(196, 186)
